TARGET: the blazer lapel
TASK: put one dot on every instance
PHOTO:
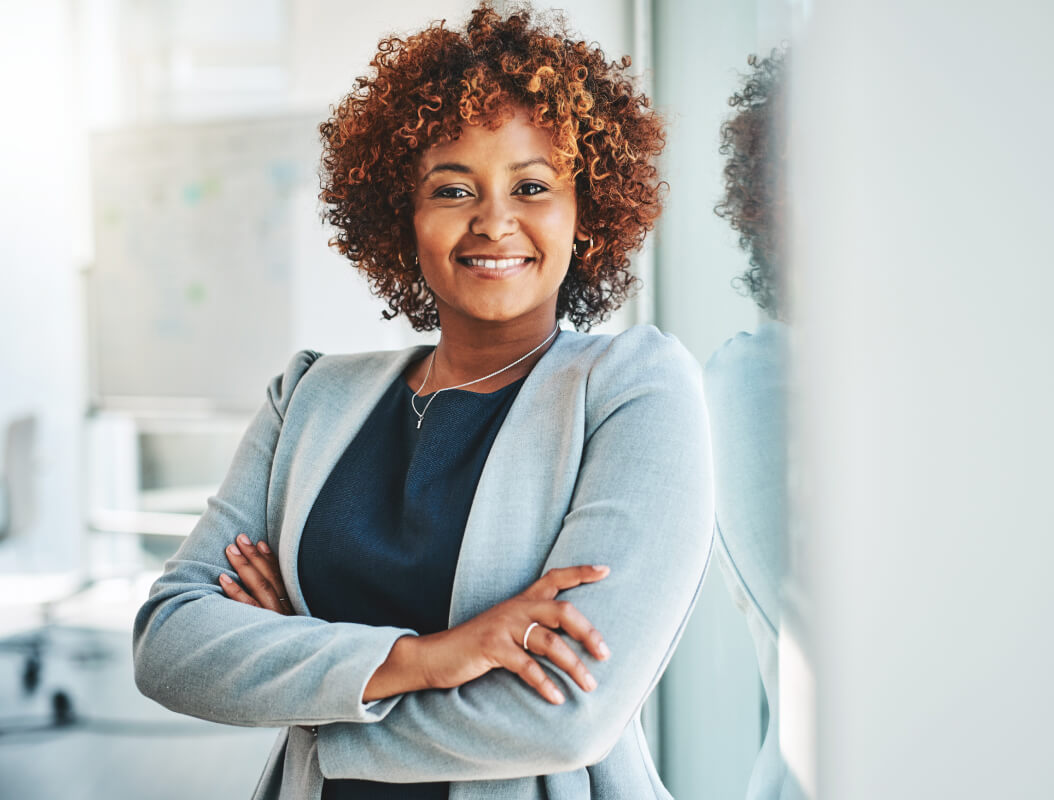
(526, 485)
(316, 432)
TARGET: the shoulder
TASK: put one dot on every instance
(749, 362)
(641, 363)
(310, 373)
(642, 352)
(645, 357)
(282, 386)
(765, 347)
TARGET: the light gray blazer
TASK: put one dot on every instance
(603, 458)
(747, 393)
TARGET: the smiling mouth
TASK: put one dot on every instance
(496, 263)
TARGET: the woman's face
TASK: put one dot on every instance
(495, 224)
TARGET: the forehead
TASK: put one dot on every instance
(516, 140)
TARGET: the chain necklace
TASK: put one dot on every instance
(421, 414)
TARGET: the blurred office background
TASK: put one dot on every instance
(161, 257)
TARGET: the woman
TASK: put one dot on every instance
(426, 521)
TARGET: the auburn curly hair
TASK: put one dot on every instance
(754, 190)
(423, 89)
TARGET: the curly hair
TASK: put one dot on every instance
(423, 89)
(753, 202)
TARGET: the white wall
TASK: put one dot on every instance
(922, 182)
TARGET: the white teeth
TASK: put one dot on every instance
(495, 263)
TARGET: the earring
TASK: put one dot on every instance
(575, 247)
(403, 263)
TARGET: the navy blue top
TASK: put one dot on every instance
(381, 543)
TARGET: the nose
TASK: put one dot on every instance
(494, 219)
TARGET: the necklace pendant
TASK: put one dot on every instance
(419, 423)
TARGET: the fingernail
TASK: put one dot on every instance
(605, 651)
(244, 539)
(601, 567)
(264, 548)
(557, 696)
(225, 578)
(591, 682)
(234, 550)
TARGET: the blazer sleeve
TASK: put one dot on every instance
(643, 505)
(746, 385)
(199, 653)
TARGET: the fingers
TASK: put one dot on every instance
(533, 674)
(506, 635)
(236, 592)
(261, 557)
(274, 575)
(560, 578)
(562, 614)
(270, 559)
(266, 563)
(551, 645)
(259, 575)
(543, 640)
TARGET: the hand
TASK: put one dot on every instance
(495, 638)
(257, 567)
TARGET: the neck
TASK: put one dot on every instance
(467, 353)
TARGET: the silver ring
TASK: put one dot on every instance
(528, 633)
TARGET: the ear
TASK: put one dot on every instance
(581, 234)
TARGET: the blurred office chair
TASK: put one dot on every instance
(18, 511)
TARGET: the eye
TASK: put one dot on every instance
(531, 188)
(452, 193)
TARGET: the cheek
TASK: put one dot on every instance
(433, 232)
(422, 231)
(434, 243)
(558, 225)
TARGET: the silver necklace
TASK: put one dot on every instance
(421, 414)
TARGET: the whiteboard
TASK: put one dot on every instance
(189, 296)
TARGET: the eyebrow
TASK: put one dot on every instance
(447, 167)
(530, 163)
(452, 166)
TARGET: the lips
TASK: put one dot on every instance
(493, 263)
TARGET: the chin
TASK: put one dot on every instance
(498, 316)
